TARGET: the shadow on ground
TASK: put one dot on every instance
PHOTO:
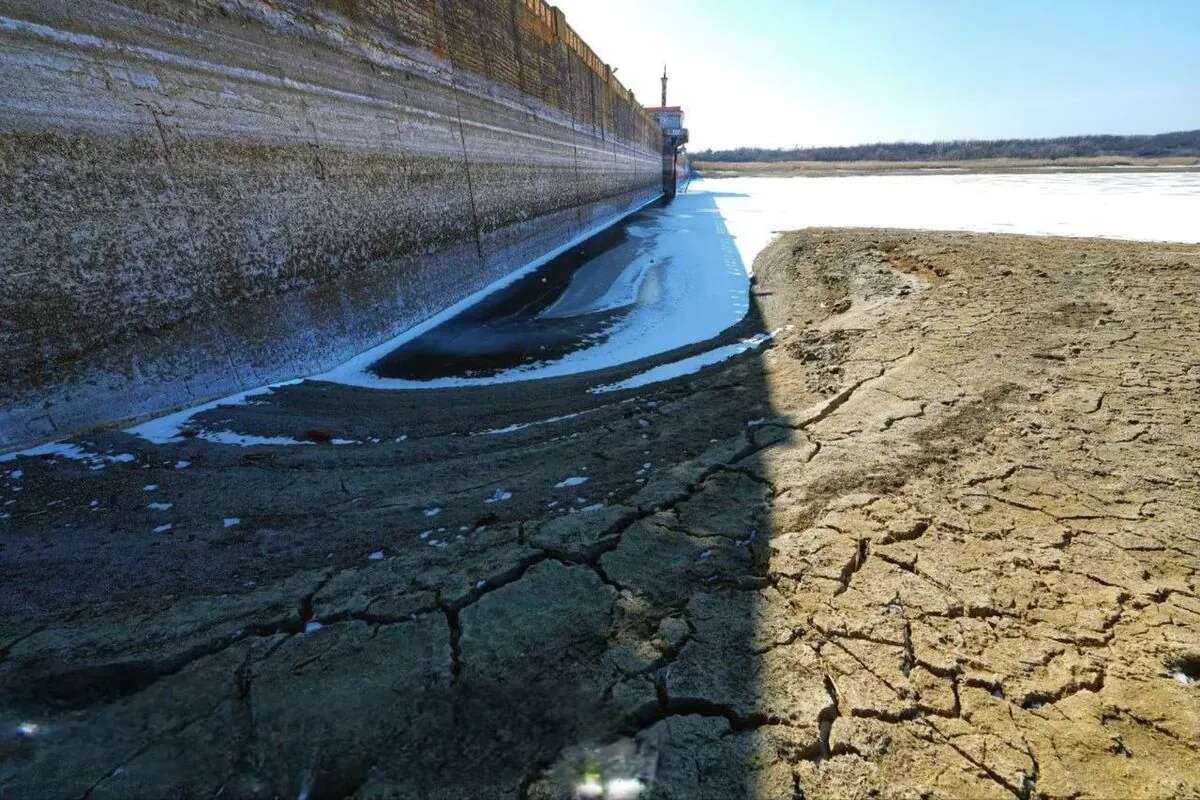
(488, 584)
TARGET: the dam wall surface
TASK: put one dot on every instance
(202, 196)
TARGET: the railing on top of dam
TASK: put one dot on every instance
(542, 9)
(555, 21)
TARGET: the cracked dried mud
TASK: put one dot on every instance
(938, 539)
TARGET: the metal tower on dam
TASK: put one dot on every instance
(674, 137)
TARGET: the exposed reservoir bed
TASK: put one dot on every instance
(957, 517)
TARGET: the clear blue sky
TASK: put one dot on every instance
(787, 72)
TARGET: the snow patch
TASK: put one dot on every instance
(160, 506)
(623, 789)
(589, 788)
(28, 729)
(70, 451)
(520, 426)
(686, 366)
(169, 428)
(232, 522)
(248, 439)
(164, 528)
(499, 496)
(576, 481)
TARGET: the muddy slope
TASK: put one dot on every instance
(938, 540)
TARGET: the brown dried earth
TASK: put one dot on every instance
(938, 539)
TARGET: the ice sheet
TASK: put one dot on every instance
(688, 272)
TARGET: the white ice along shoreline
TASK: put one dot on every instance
(684, 282)
(686, 366)
(74, 452)
(691, 280)
(169, 428)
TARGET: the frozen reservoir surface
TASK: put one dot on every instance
(677, 274)
(665, 277)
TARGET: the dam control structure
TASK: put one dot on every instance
(203, 196)
(674, 138)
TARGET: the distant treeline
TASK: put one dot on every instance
(1181, 143)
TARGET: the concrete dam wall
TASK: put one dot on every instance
(200, 196)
